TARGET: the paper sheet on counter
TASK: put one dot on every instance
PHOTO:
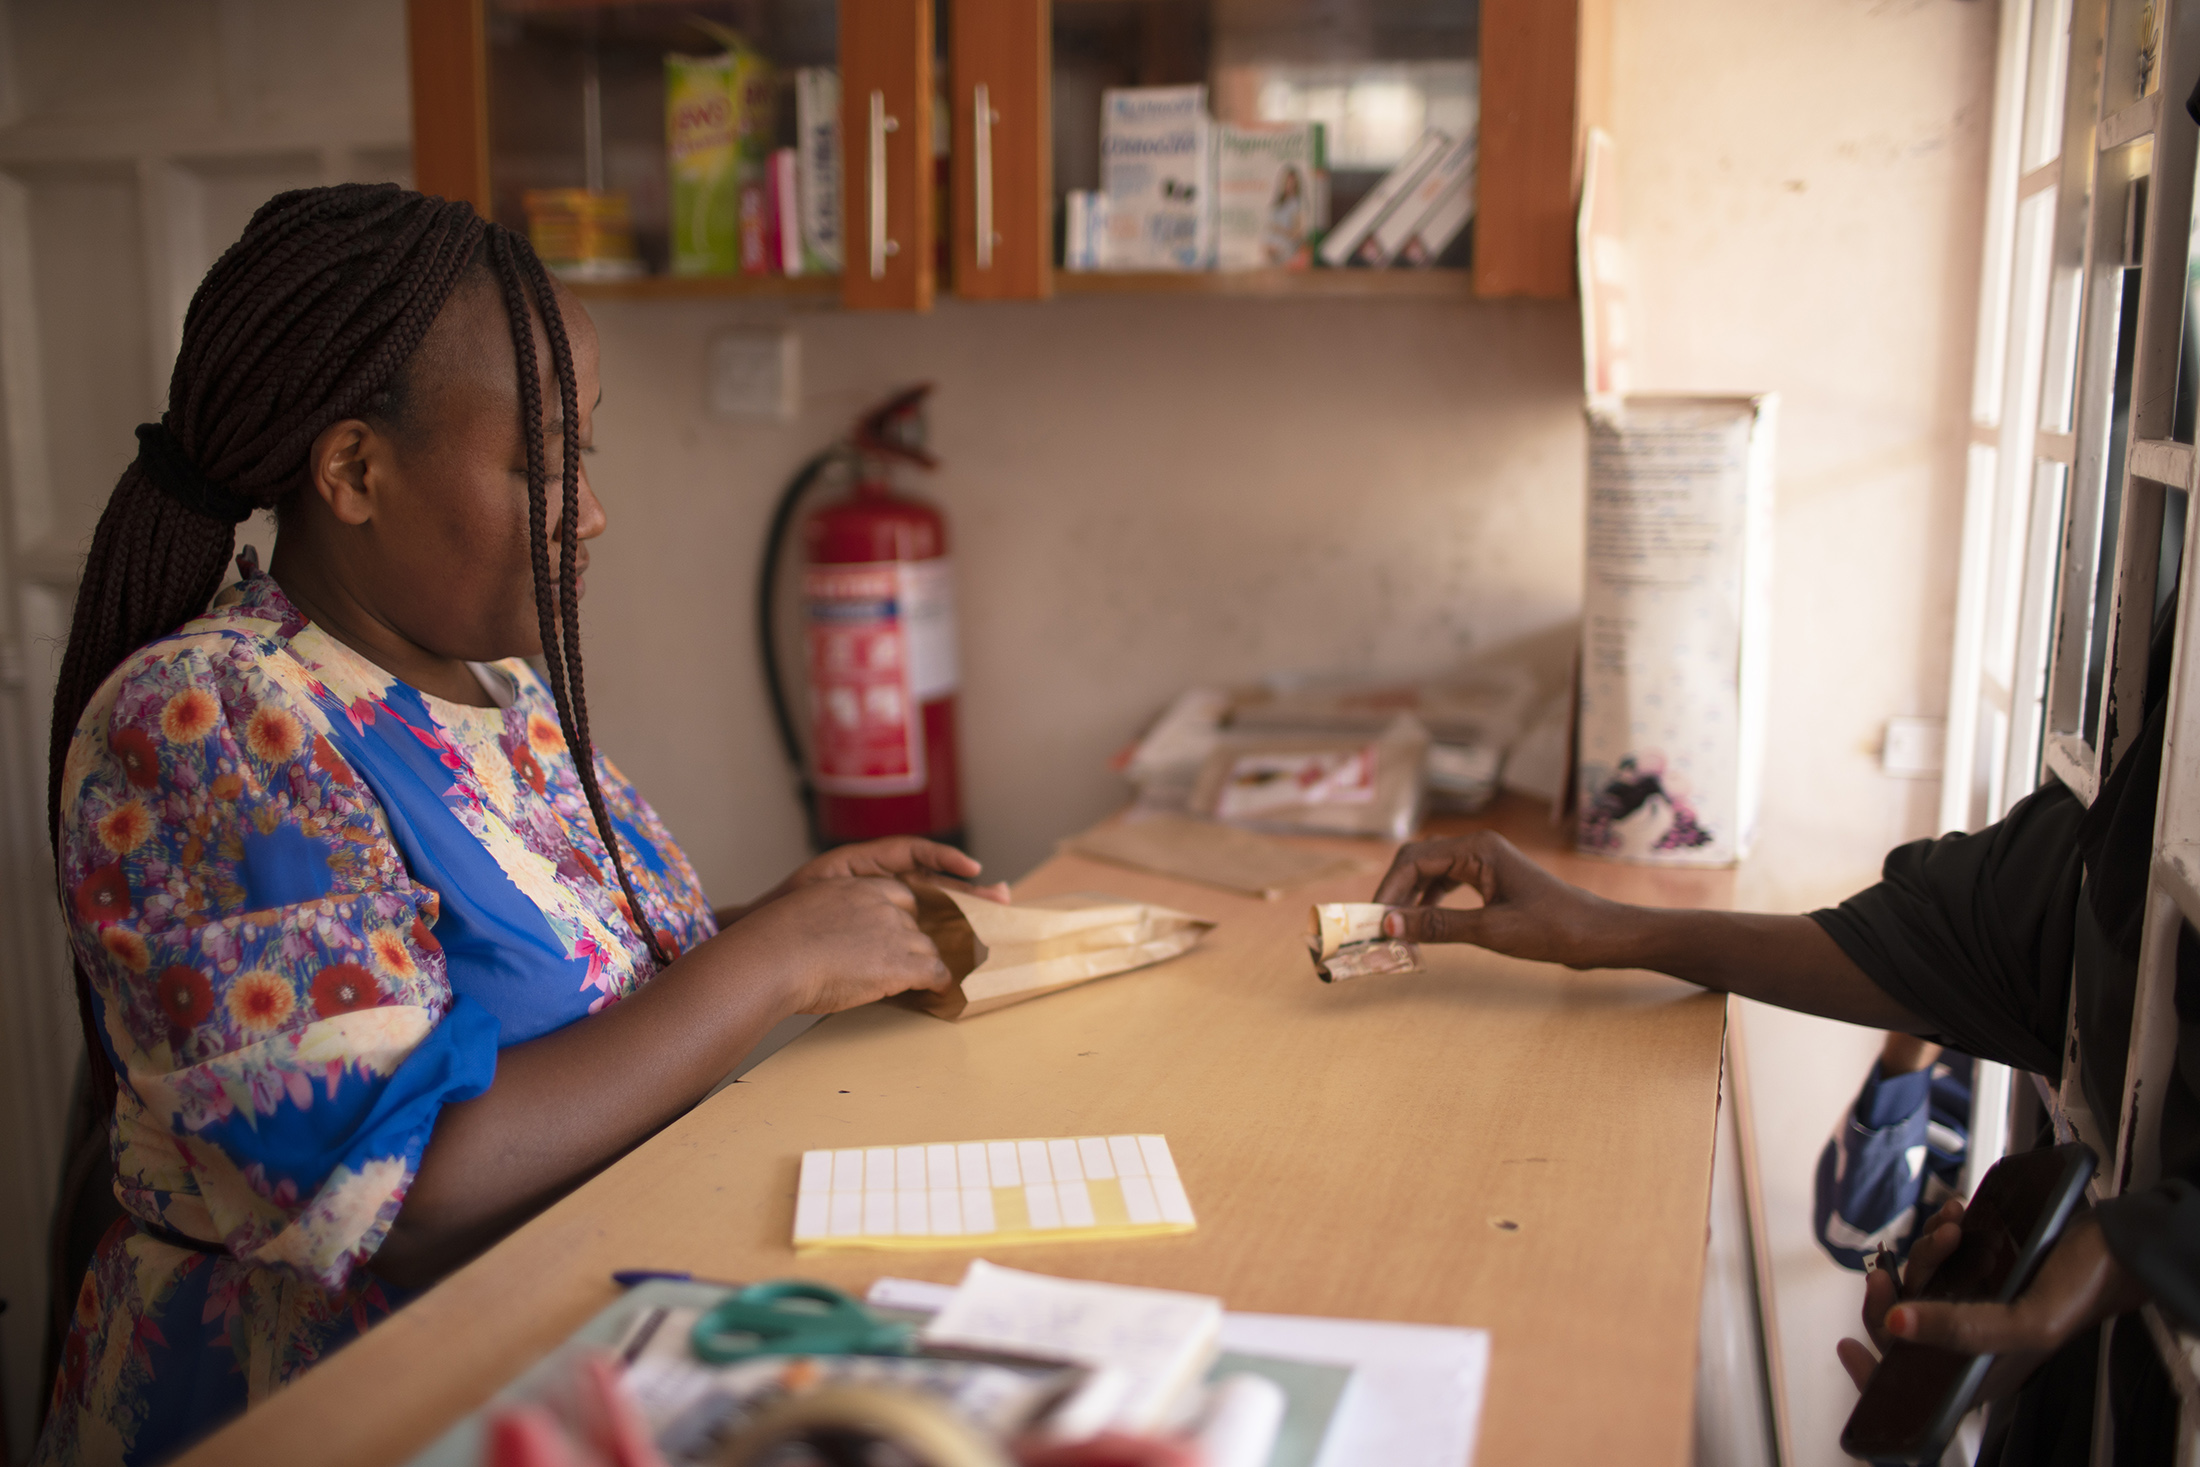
(1214, 855)
(1414, 1399)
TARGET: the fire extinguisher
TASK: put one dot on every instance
(878, 601)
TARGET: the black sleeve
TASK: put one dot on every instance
(1973, 933)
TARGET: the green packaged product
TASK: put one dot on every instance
(718, 114)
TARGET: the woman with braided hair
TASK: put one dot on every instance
(371, 965)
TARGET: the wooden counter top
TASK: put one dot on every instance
(1490, 1143)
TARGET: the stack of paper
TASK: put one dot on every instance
(1414, 1397)
(1160, 1341)
(989, 1192)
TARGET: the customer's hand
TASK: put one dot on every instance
(838, 942)
(1526, 912)
(2080, 1285)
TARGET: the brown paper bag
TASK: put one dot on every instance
(999, 955)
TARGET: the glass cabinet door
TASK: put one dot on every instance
(698, 147)
(609, 115)
(1309, 105)
(967, 131)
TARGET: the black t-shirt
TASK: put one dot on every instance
(1983, 937)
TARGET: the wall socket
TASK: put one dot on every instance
(755, 375)
(1913, 748)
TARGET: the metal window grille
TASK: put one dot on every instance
(2082, 462)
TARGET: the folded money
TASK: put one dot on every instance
(1347, 941)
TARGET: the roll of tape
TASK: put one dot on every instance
(926, 1431)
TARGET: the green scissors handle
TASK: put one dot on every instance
(792, 1317)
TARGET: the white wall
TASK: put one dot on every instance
(1143, 494)
(1804, 184)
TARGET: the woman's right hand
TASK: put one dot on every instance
(841, 942)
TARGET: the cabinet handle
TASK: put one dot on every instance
(982, 118)
(875, 168)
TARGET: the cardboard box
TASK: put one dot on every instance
(717, 143)
(817, 168)
(1157, 169)
(1669, 762)
(1272, 195)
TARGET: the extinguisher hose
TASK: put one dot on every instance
(767, 633)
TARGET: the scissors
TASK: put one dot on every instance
(792, 1317)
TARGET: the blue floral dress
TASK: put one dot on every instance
(314, 903)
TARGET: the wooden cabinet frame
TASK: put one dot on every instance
(1543, 65)
(886, 184)
(1002, 155)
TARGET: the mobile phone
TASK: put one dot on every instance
(1919, 1393)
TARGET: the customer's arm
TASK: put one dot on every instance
(567, 1104)
(1528, 913)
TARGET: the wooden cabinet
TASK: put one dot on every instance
(499, 108)
(1535, 56)
(889, 261)
(450, 100)
(1001, 153)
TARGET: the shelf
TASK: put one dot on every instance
(1274, 284)
(1306, 284)
(709, 287)
(512, 95)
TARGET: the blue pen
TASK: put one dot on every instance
(627, 1278)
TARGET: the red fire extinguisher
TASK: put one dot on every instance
(879, 642)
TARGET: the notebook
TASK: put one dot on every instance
(989, 1193)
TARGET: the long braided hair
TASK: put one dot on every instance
(312, 317)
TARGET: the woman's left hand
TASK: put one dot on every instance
(2080, 1285)
(897, 857)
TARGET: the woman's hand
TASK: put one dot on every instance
(1526, 912)
(833, 944)
(897, 856)
(2079, 1285)
(838, 942)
